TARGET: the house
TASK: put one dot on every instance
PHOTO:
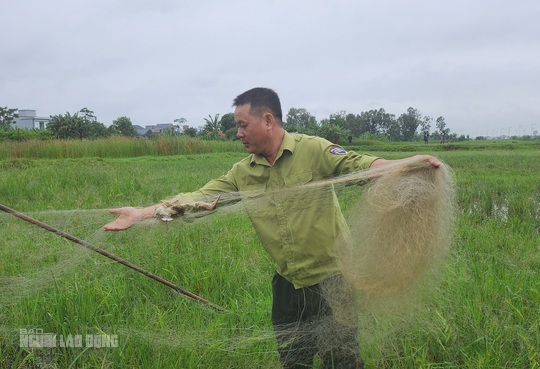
(156, 129)
(141, 131)
(164, 127)
(29, 120)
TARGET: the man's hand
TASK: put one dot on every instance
(380, 162)
(128, 217)
(434, 161)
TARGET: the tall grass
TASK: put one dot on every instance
(114, 147)
(484, 314)
(123, 147)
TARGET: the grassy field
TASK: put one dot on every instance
(485, 312)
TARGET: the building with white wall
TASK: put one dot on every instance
(29, 120)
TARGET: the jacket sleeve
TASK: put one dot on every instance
(213, 188)
(339, 161)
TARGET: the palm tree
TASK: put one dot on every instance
(212, 125)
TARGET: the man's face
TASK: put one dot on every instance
(252, 130)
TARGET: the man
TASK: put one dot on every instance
(443, 136)
(297, 227)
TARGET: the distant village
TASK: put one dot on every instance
(28, 119)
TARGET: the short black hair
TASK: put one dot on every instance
(260, 98)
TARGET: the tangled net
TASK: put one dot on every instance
(400, 233)
(400, 229)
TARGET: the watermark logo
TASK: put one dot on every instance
(35, 337)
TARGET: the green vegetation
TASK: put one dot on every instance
(123, 147)
(7, 116)
(114, 147)
(484, 314)
(339, 128)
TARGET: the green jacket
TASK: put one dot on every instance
(298, 226)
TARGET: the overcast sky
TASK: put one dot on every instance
(474, 62)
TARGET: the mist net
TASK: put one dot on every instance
(399, 223)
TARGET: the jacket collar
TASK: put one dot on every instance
(287, 144)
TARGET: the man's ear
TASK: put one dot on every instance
(268, 119)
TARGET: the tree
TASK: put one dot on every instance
(95, 129)
(63, 126)
(440, 124)
(408, 123)
(356, 124)
(378, 121)
(333, 132)
(339, 119)
(211, 128)
(180, 121)
(124, 127)
(392, 130)
(300, 120)
(425, 124)
(87, 115)
(227, 125)
(80, 125)
(190, 131)
(7, 117)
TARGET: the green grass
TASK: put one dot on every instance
(122, 147)
(485, 312)
(114, 147)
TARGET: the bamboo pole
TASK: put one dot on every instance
(109, 255)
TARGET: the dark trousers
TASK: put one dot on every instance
(305, 326)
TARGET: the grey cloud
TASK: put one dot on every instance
(476, 63)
